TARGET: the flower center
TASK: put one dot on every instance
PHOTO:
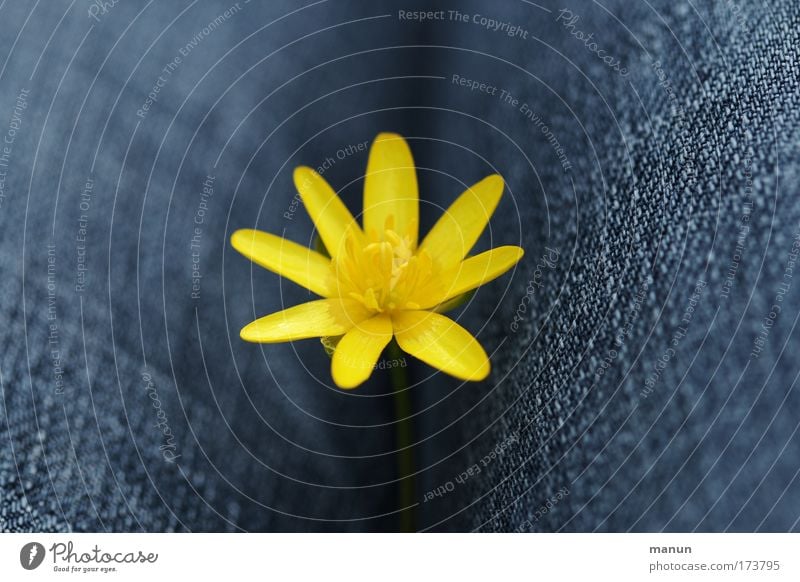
(382, 273)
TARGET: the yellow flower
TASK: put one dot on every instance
(379, 282)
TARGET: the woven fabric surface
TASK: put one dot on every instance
(644, 376)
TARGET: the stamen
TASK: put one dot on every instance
(382, 273)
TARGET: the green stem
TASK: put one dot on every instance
(404, 437)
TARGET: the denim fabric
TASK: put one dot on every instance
(639, 379)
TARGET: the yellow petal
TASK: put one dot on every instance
(390, 188)
(286, 258)
(469, 274)
(359, 349)
(331, 217)
(313, 319)
(442, 343)
(459, 228)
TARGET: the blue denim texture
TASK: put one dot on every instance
(624, 396)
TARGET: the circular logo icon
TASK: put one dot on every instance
(31, 555)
